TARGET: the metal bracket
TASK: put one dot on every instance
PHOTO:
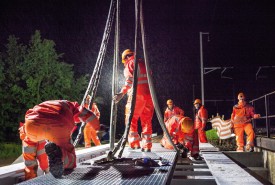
(260, 68)
(211, 69)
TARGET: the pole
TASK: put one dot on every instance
(202, 69)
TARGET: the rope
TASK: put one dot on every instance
(122, 142)
(150, 81)
(134, 92)
(113, 117)
(93, 84)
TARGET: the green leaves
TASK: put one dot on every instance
(29, 75)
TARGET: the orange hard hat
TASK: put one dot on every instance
(126, 53)
(169, 102)
(186, 125)
(197, 101)
(241, 95)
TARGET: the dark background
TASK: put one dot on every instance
(241, 36)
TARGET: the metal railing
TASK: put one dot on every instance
(267, 116)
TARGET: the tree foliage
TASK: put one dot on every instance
(29, 75)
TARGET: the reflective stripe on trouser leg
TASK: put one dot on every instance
(68, 156)
(146, 141)
(146, 122)
(69, 161)
(29, 157)
(134, 139)
(250, 134)
(42, 156)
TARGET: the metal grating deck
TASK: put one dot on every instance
(116, 172)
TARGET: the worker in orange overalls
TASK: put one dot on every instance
(144, 108)
(91, 128)
(53, 121)
(181, 130)
(241, 118)
(201, 117)
(172, 117)
(172, 110)
(33, 154)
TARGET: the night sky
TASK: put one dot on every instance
(242, 35)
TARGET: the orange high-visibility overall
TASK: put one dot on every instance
(144, 108)
(181, 130)
(33, 152)
(91, 128)
(241, 118)
(200, 122)
(172, 112)
(54, 120)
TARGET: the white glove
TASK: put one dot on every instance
(118, 97)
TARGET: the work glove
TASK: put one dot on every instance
(118, 97)
(256, 116)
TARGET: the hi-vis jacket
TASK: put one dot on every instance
(242, 113)
(142, 86)
(55, 119)
(169, 113)
(58, 112)
(201, 117)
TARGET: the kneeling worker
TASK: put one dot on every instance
(53, 121)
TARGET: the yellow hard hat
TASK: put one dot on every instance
(125, 54)
(241, 95)
(169, 102)
(197, 101)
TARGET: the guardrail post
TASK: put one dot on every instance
(267, 115)
(253, 120)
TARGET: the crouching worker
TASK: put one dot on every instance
(33, 153)
(53, 121)
(181, 131)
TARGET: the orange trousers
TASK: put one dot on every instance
(201, 133)
(33, 152)
(239, 130)
(144, 109)
(59, 134)
(90, 133)
(195, 147)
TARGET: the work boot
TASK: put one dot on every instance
(146, 150)
(184, 152)
(240, 149)
(249, 148)
(135, 147)
(197, 157)
(55, 159)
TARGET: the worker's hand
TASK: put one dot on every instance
(256, 116)
(118, 97)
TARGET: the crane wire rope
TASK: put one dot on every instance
(93, 83)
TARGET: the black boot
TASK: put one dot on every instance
(55, 159)
(184, 152)
(197, 157)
